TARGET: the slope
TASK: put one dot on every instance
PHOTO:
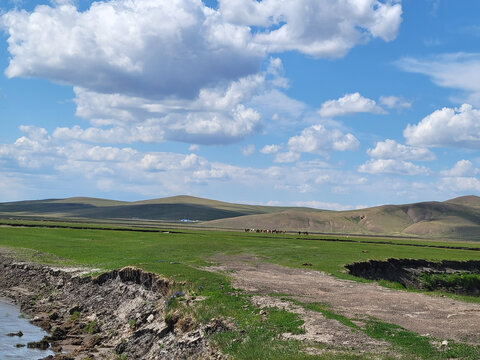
(456, 218)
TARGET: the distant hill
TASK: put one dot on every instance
(168, 209)
(455, 218)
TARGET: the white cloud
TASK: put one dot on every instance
(395, 102)
(457, 127)
(149, 132)
(462, 168)
(286, 157)
(140, 48)
(460, 184)
(216, 116)
(42, 161)
(270, 149)
(319, 140)
(391, 166)
(323, 205)
(390, 149)
(150, 48)
(194, 148)
(458, 70)
(315, 27)
(12, 187)
(150, 71)
(349, 104)
(248, 150)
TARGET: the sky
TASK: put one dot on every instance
(333, 104)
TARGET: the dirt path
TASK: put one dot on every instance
(440, 317)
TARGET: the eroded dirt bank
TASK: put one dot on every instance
(120, 314)
(440, 317)
(412, 273)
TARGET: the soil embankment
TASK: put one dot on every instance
(121, 312)
(459, 277)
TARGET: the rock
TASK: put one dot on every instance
(58, 334)
(19, 334)
(53, 316)
(121, 347)
(150, 318)
(444, 343)
(216, 325)
(91, 341)
(74, 309)
(20, 345)
(42, 344)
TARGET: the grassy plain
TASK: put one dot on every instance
(180, 255)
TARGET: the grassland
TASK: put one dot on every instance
(181, 256)
(453, 219)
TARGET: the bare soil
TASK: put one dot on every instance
(440, 317)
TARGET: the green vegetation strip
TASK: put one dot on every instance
(181, 256)
(395, 243)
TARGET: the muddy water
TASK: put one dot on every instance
(12, 322)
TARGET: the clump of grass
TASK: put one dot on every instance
(466, 283)
(404, 339)
(75, 316)
(282, 321)
(91, 327)
(324, 309)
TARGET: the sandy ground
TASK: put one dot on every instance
(440, 317)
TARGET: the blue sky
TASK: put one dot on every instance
(324, 103)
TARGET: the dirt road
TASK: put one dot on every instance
(440, 317)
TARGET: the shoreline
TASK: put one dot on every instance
(18, 335)
(119, 313)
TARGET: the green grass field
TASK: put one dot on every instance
(180, 255)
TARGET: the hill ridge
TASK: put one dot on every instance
(458, 217)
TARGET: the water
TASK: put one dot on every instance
(11, 322)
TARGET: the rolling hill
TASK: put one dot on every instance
(455, 218)
(166, 209)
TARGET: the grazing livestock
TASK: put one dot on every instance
(266, 231)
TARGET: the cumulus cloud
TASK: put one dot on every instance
(460, 184)
(150, 48)
(270, 149)
(392, 166)
(458, 70)
(317, 139)
(38, 158)
(390, 149)
(140, 48)
(395, 102)
(318, 28)
(349, 104)
(216, 116)
(184, 70)
(462, 168)
(286, 157)
(448, 127)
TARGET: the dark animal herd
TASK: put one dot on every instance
(275, 231)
